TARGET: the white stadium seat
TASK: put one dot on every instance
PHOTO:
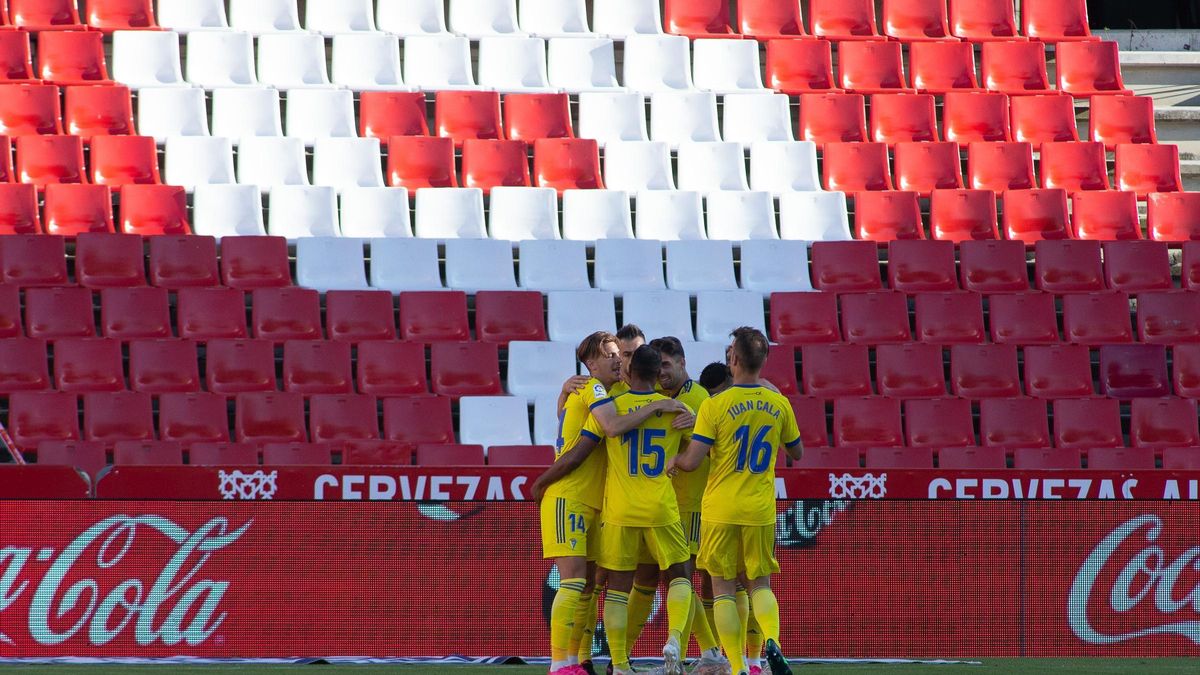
(494, 420)
(146, 58)
(697, 355)
(324, 113)
(726, 66)
(669, 215)
(483, 18)
(474, 265)
(719, 312)
(513, 64)
(331, 17)
(578, 64)
(782, 167)
(814, 216)
(401, 264)
(709, 167)
(751, 118)
(373, 212)
(292, 60)
(590, 215)
(343, 163)
(655, 63)
(739, 215)
(700, 266)
(537, 369)
(366, 61)
(659, 313)
(411, 17)
(519, 213)
(267, 161)
(678, 117)
(622, 18)
(629, 265)
(634, 166)
(609, 117)
(438, 62)
(545, 420)
(264, 16)
(330, 264)
(163, 112)
(199, 160)
(775, 266)
(574, 315)
(298, 211)
(553, 18)
(222, 58)
(246, 111)
(227, 210)
(553, 265)
(183, 16)
(449, 213)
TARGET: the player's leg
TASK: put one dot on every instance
(641, 598)
(618, 555)
(579, 648)
(759, 545)
(754, 636)
(720, 556)
(699, 627)
(669, 547)
(564, 525)
(706, 596)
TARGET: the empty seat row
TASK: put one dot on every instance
(1101, 459)
(71, 209)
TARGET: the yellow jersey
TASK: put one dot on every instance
(586, 483)
(689, 486)
(619, 388)
(637, 491)
(745, 425)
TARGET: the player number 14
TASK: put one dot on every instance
(756, 454)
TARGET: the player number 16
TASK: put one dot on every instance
(756, 454)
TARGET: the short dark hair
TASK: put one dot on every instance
(669, 346)
(751, 346)
(630, 331)
(590, 347)
(714, 375)
(646, 362)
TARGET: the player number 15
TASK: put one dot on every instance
(645, 453)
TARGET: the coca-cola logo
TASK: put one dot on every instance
(1147, 575)
(179, 605)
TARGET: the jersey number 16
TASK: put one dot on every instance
(756, 454)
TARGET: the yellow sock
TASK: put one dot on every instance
(616, 621)
(743, 607)
(700, 626)
(729, 627)
(562, 619)
(581, 630)
(766, 610)
(708, 612)
(641, 601)
(754, 639)
(679, 606)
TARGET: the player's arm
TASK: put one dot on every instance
(794, 449)
(615, 424)
(572, 385)
(690, 459)
(564, 465)
(790, 434)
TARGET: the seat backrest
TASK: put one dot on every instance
(669, 215)
(814, 216)
(700, 265)
(297, 211)
(480, 264)
(402, 264)
(444, 213)
(590, 215)
(369, 212)
(330, 263)
(244, 111)
(629, 265)
(735, 215)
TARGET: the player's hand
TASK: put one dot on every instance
(684, 420)
(672, 469)
(574, 384)
(538, 490)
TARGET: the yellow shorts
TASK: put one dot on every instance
(622, 548)
(727, 550)
(569, 529)
(691, 529)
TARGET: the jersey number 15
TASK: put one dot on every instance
(644, 453)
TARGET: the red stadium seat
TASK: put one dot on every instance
(463, 115)
(833, 370)
(1086, 69)
(255, 262)
(1121, 459)
(163, 366)
(19, 210)
(950, 318)
(963, 215)
(211, 313)
(1134, 266)
(449, 455)
(34, 417)
(44, 15)
(489, 164)
(343, 418)
(29, 109)
(972, 458)
(1114, 120)
(938, 422)
(416, 162)
(976, 117)
(384, 114)
(870, 67)
(843, 19)
(1163, 423)
(72, 57)
(1068, 266)
(984, 371)
(1174, 216)
(916, 20)
(58, 313)
(1001, 167)
(1096, 318)
(921, 266)
(1014, 67)
(828, 458)
(911, 370)
(222, 454)
(1033, 215)
(154, 209)
(1055, 20)
(942, 67)
(194, 417)
(1190, 275)
(87, 456)
(1185, 370)
(387, 368)
(520, 455)
(239, 366)
(1014, 423)
(810, 418)
(16, 64)
(360, 315)
(1105, 216)
(833, 118)
(780, 369)
(465, 369)
(903, 118)
(6, 166)
(1087, 423)
(1026, 318)
(109, 260)
(899, 458)
(147, 453)
(856, 167)
(1181, 459)
(867, 422)
(43, 160)
(1058, 371)
(1134, 371)
(1037, 459)
(1043, 119)
(297, 454)
(1074, 166)
(697, 18)
(925, 167)
(111, 15)
(73, 209)
(762, 19)
(983, 20)
(567, 164)
(418, 419)
(23, 365)
(800, 66)
(845, 266)
(1145, 169)
(530, 117)
(287, 313)
(266, 417)
(887, 216)
(124, 160)
(803, 318)
(182, 261)
(434, 316)
(993, 266)
(317, 367)
(98, 111)
(384, 453)
(134, 313)
(1169, 317)
(504, 316)
(119, 416)
(875, 318)
(88, 364)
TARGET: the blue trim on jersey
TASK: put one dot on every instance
(640, 393)
(747, 386)
(703, 439)
(793, 443)
(600, 403)
(594, 437)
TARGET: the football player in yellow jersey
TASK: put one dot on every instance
(641, 514)
(570, 507)
(743, 428)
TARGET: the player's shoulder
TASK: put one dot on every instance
(590, 394)
(692, 391)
